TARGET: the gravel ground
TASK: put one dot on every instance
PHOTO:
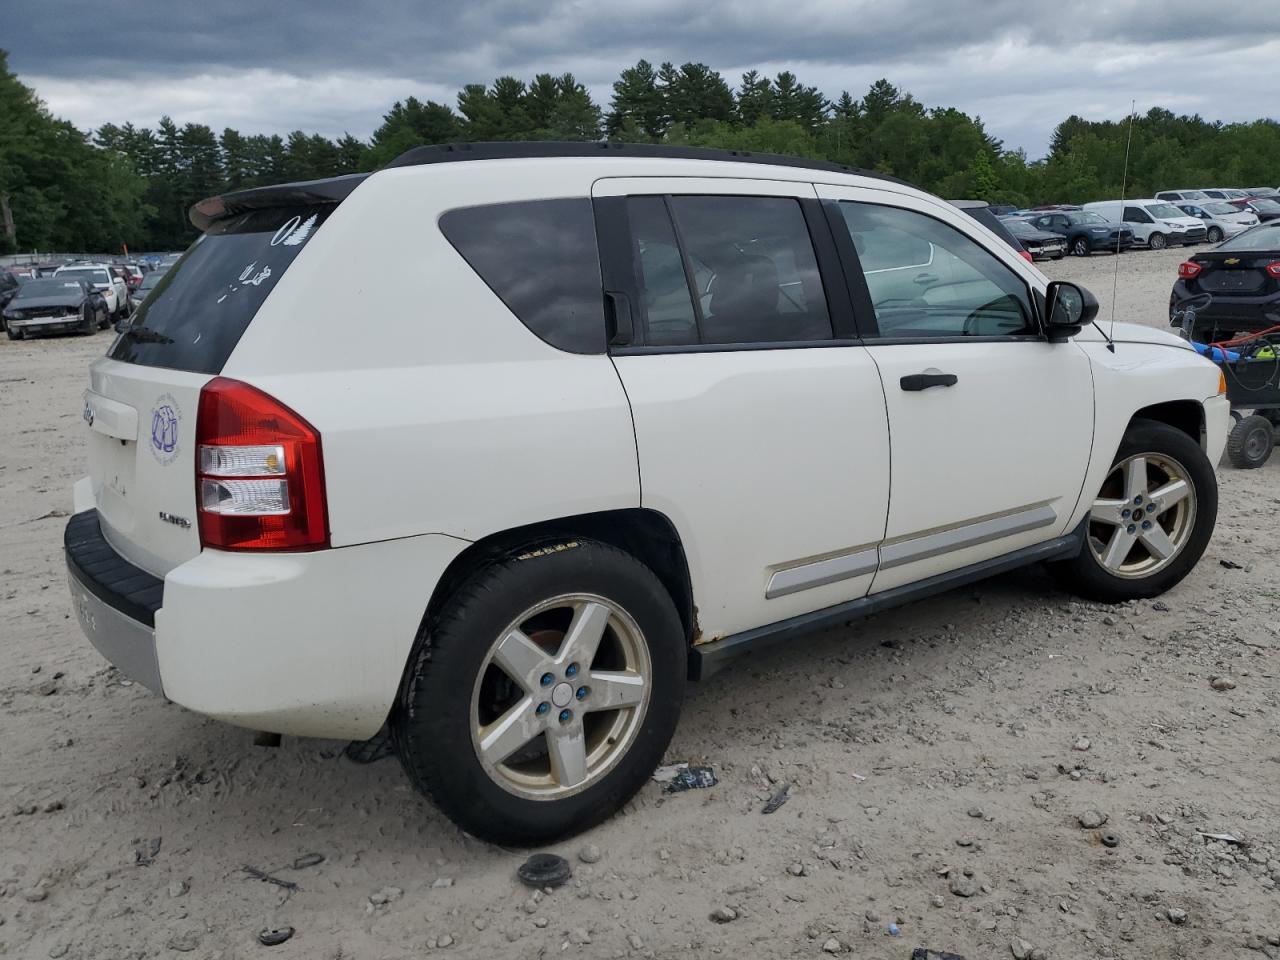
(941, 760)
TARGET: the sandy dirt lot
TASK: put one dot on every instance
(964, 734)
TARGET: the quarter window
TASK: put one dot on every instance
(929, 280)
(730, 270)
(540, 258)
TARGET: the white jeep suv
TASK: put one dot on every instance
(112, 288)
(608, 417)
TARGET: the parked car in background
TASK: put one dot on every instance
(1085, 231)
(148, 284)
(9, 284)
(1241, 277)
(132, 274)
(1224, 193)
(1262, 191)
(1041, 244)
(981, 211)
(112, 287)
(1265, 208)
(1155, 223)
(1220, 218)
(56, 305)
(1179, 195)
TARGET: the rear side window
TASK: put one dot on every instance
(196, 314)
(540, 258)
(734, 270)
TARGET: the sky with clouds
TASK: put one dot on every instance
(272, 67)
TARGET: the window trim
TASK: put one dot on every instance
(864, 309)
(614, 235)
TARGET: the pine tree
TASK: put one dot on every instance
(637, 105)
(755, 98)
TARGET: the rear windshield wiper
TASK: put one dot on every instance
(143, 335)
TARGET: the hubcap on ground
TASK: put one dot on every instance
(1143, 516)
(561, 696)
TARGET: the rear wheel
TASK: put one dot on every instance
(1080, 246)
(1214, 235)
(1150, 521)
(544, 694)
(1250, 442)
(1157, 241)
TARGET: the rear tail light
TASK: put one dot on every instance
(1273, 269)
(1189, 270)
(259, 472)
(1026, 256)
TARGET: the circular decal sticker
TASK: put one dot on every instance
(166, 419)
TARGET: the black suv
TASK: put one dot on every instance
(1085, 231)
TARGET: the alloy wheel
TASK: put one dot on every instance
(1143, 515)
(560, 697)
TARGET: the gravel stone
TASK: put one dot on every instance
(1021, 949)
(1092, 819)
(589, 854)
(724, 914)
(832, 945)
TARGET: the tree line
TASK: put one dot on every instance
(65, 189)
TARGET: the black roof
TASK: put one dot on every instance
(538, 149)
(336, 189)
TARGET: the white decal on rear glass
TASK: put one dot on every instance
(294, 231)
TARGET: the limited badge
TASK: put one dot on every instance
(166, 418)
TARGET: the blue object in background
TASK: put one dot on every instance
(1216, 354)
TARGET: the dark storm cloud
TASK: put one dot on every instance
(334, 67)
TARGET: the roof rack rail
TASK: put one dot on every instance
(539, 149)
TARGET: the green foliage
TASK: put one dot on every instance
(135, 185)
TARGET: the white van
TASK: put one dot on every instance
(1155, 223)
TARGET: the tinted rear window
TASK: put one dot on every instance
(202, 305)
(540, 258)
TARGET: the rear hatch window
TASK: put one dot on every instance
(196, 314)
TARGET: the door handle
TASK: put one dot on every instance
(924, 279)
(923, 381)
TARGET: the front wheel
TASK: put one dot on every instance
(1150, 521)
(1214, 235)
(544, 694)
(1080, 246)
(1157, 241)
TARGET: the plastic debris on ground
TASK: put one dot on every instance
(921, 953)
(688, 778)
(778, 799)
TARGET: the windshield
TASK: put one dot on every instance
(151, 279)
(1086, 217)
(1266, 237)
(1020, 228)
(1192, 194)
(94, 275)
(1219, 208)
(1164, 211)
(49, 288)
(1270, 206)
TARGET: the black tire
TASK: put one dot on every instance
(1084, 573)
(1157, 241)
(1080, 247)
(1250, 442)
(1214, 235)
(87, 325)
(432, 723)
(13, 334)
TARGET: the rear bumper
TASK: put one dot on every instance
(114, 601)
(309, 644)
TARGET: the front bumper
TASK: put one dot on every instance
(61, 324)
(308, 644)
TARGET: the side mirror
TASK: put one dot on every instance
(122, 325)
(1068, 307)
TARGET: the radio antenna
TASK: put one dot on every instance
(1124, 185)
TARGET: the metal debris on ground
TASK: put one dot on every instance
(275, 937)
(1110, 840)
(692, 778)
(921, 953)
(1231, 565)
(778, 799)
(1224, 837)
(268, 878)
(544, 870)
